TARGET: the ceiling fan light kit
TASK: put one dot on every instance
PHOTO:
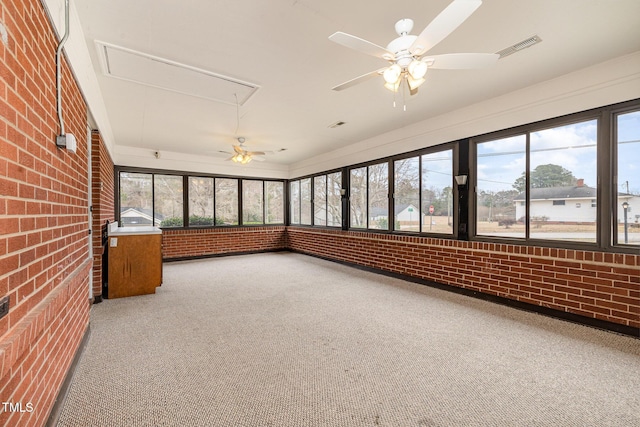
(405, 53)
(392, 74)
(417, 69)
(414, 84)
(242, 158)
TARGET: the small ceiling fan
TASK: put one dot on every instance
(244, 156)
(405, 54)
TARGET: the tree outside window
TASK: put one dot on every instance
(226, 201)
(136, 199)
(252, 202)
(168, 200)
(200, 201)
(562, 173)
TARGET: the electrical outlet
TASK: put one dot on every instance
(4, 306)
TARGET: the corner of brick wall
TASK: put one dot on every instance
(102, 197)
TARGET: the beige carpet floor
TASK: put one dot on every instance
(283, 339)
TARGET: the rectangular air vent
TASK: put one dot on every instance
(519, 46)
(162, 73)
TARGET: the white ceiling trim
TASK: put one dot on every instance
(170, 160)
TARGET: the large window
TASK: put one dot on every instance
(500, 197)
(167, 200)
(407, 216)
(252, 202)
(627, 217)
(369, 198)
(334, 199)
(423, 195)
(552, 199)
(136, 199)
(226, 202)
(563, 178)
(294, 194)
(327, 200)
(437, 192)
(378, 196)
(177, 200)
(305, 201)
(320, 200)
(200, 201)
(274, 202)
(358, 198)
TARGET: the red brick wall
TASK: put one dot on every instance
(102, 200)
(44, 264)
(214, 241)
(598, 285)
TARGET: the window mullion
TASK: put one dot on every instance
(527, 185)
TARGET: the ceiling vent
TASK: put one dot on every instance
(519, 46)
(149, 70)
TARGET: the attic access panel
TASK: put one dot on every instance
(138, 67)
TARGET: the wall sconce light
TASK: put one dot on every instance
(461, 180)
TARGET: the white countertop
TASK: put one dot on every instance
(127, 231)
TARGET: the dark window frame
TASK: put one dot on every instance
(454, 146)
(312, 178)
(625, 108)
(606, 175)
(185, 183)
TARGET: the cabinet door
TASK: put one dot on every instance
(135, 265)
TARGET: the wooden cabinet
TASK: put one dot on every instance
(135, 264)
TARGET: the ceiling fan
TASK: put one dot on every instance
(405, 54)
(244, 156)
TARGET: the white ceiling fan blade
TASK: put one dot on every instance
(443, 25)
(258, 158)
(461, 61)
(255, 153)
(361, 45)
(359, 79)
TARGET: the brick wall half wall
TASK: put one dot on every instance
(192, 243)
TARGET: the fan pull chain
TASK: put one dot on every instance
(404, 101)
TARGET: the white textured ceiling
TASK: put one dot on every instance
(282, 46)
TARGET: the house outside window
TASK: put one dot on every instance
(562, 167)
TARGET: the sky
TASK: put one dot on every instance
(501, 162)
